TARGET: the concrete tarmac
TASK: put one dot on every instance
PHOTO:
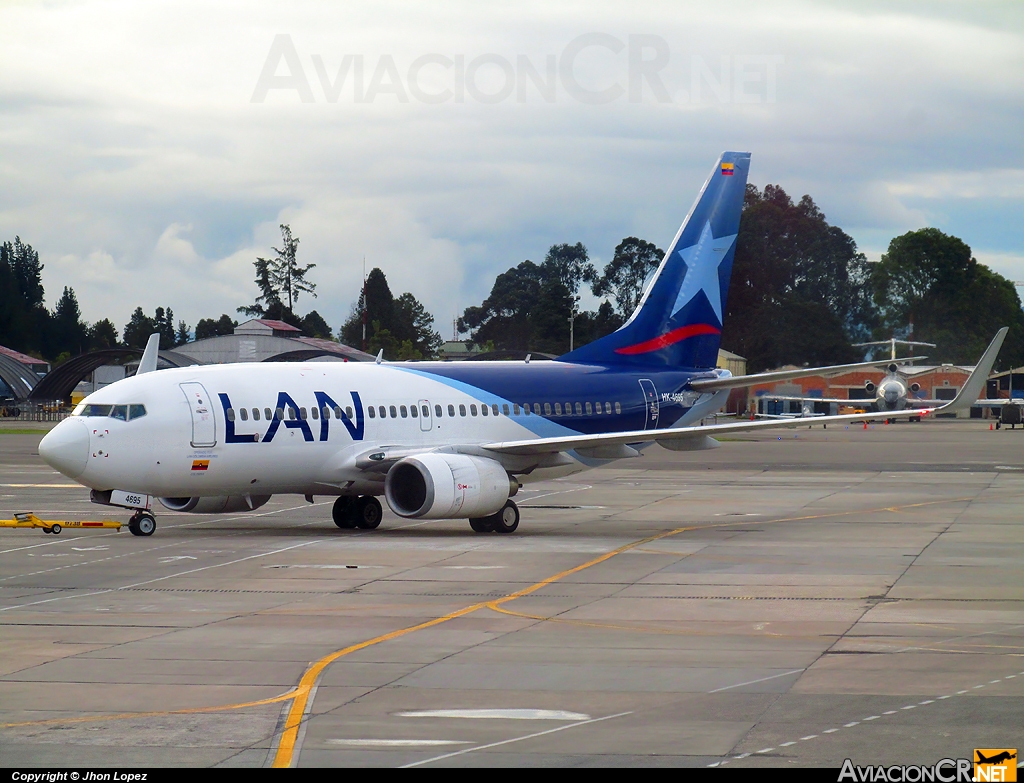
(839, 593)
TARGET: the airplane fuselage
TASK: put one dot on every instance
(263, 429)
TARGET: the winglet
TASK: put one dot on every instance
(149, 356)
(971, 391)
(380, 356)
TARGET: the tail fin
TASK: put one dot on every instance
(678, 322)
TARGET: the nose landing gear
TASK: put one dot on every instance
(142, 523)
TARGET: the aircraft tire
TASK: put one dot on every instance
(368, 512)
(344, 513)
(133, 525)
(482, 525)
(145, 526)
(506, 520)
(55, 529)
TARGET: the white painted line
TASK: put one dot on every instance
(909, 707)
(786, 744)
(353, 567)
(472, 568)
(509, 741)
(393, 743)
(872, 717)
(766, 750)
(947, 696)
(851, 724)
(1010, 676)
(926, 701)
(889, 712)
(978, 686)
(751, 682)
(741, 756)
(993, 682)
(960, 693)
(499, 714)
(808, 737)
(830, 731)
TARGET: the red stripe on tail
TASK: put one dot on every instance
(683, 332)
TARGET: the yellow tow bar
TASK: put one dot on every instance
(28, 519)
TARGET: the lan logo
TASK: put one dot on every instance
(200, 464)
(995, 764)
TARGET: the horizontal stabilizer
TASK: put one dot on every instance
(739, 381)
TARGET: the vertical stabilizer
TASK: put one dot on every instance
(678, 322)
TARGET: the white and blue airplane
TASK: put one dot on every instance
(438, 440)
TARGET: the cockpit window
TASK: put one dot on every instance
(136, 412)
(96, 410)
(119, 412)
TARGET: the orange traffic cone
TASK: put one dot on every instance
(865, 425)
(990, 427)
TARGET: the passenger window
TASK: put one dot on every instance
(451, 411)
(382, 411)
(483, 410)
(579, 409)
(437, 411)
(526, 409)
(547, 408)
(326, 413)
(293, 413)
(558, 409)
(515, 408)
(405, 413)
(608, 407)
(302, 414)
(136, 412)
(255, 414)
(462, 410)
(120, 412)
(504, 408)
(348, 411)
(230, 413)
(244, 414)
(590, 409)
(414, 411)
(472, 410)
(618, 408)
(494, 408)
(372, 411)
(536, 408)
(426, 410)
(568, 409)
(394, 412)
(315, 412)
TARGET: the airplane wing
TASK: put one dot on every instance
(787, 398)
(739, 381)
(965, 399)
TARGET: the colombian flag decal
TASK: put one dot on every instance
(727, 169)
(200, 464)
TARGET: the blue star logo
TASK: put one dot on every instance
(702, 261)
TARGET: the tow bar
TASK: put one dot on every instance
(28, 519)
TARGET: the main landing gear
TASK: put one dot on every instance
(142, 523)
(363, 512)
(505, 521)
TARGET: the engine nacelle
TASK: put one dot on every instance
(915, 387)
(869, 387)
(216, 504)
(447, 486)
(690, 444)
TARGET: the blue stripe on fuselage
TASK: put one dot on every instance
(553, 381)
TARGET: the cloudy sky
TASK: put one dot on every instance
(149, 151)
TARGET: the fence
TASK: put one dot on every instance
(24, 410)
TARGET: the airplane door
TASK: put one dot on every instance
(651, 399)
(426, 420)
(204, 425)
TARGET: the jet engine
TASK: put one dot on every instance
(915, 387)
(869, 387)
(216, 504)
(447, 486)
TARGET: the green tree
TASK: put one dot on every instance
(504, 316)
(280, 279)
(624, 276)
(24, 321)
(403, 320)
(164, 322)
(67, 332)
(183, 335)
(102, 334)
(792, 269)
(208, 327)
(932, 280)
(313, 325)
(138, 329)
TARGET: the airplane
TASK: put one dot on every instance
(438, 440)
(996, 759)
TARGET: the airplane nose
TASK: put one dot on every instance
(66, 447)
